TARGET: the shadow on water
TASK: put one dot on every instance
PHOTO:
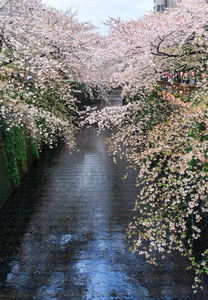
(62, 232)
(18, 210)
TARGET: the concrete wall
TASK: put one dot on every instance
(171, 3)
(161, 2)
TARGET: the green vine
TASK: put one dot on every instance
(15, 148)
(35, 148)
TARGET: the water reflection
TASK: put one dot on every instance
(63, 233)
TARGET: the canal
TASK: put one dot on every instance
(63, 232)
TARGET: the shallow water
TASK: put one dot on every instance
(63, 232)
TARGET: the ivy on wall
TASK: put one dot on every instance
(15, 143)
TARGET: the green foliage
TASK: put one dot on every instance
(35, 148)
(15, 147)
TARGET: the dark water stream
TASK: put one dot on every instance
(62, 233)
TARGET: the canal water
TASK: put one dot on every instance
(63, 232)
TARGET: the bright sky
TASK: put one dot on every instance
(98, 11)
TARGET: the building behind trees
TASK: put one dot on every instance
(161, 5)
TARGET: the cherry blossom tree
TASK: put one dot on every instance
(41, 48)
(170, 42)
(41, 51)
